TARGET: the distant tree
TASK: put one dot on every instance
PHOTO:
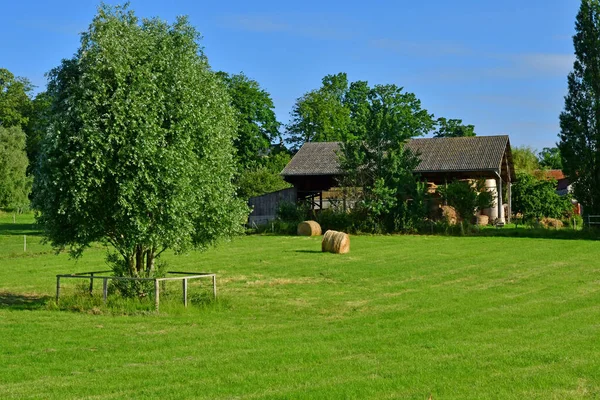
(256, 120)
(536, 198)
(525, 159)
(580, 121)
(139, 150)
(14, 99)
(15, 185)
(320, 115)
(453, 128)
(550, 158)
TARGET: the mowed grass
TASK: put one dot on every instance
(398, 317)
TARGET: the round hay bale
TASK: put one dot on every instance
(309, 228)
(483, 220)
(551, 223)
(335, 242)
(450, 215)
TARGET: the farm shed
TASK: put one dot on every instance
(264, 208)
(315, 169)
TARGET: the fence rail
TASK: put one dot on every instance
(184, 280)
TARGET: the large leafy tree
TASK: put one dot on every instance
(14, 99)
(15, 185)
(139, 150)
(321, 115)
(580, 121)
(378, 164)
(256, 120)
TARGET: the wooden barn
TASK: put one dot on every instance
(315, 169)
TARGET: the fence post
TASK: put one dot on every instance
(156, 294)
(105, 289)
(215, 286)
(24, 243)
(185, 288)
(57, 288)
(92, 284)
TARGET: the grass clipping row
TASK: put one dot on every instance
(309, 228)
(335, 242)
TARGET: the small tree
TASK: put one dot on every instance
(15, 185)
(536, 198)
(139, 151)
(462, 196)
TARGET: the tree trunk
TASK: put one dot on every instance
(139, 259)
(150, 259)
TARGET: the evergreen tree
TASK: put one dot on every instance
(580, 121)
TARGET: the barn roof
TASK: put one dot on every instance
(438, 155)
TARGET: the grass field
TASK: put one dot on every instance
(398, 317)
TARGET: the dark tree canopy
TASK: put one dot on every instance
(15, 185)
(580, 120)
(550, 158)
(453, 128)
(139, 150)
(256, 120)
(342, 111)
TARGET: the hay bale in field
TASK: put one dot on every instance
(483, 220)
(551, 223)
(335, 242)
(309, 228)
(450, 215)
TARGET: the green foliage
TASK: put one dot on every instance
(462, 196)
(453, 128)
(550, 158)
(291, 212)
(257, 126)
(391, 198)
(525, 159)
(38, 122)
(259, 181)
(536, 198)
(320, 115)
(139, 150)
(14, 99)
(579, 125)
(15, 184)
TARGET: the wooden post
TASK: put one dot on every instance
(57, 288)
(14, 218)
(215, 286)
(105, 289)
(92, 284)
(185, 287)
(24, 243)
(156, 294)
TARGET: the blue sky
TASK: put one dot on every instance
(501, 66)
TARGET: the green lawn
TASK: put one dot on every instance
(398, 317)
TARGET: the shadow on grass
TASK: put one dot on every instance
(14, 301)
(20, 229)
(308, 251)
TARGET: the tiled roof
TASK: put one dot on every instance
(318, 158)
(479, 153)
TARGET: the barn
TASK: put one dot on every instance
(315, 169)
